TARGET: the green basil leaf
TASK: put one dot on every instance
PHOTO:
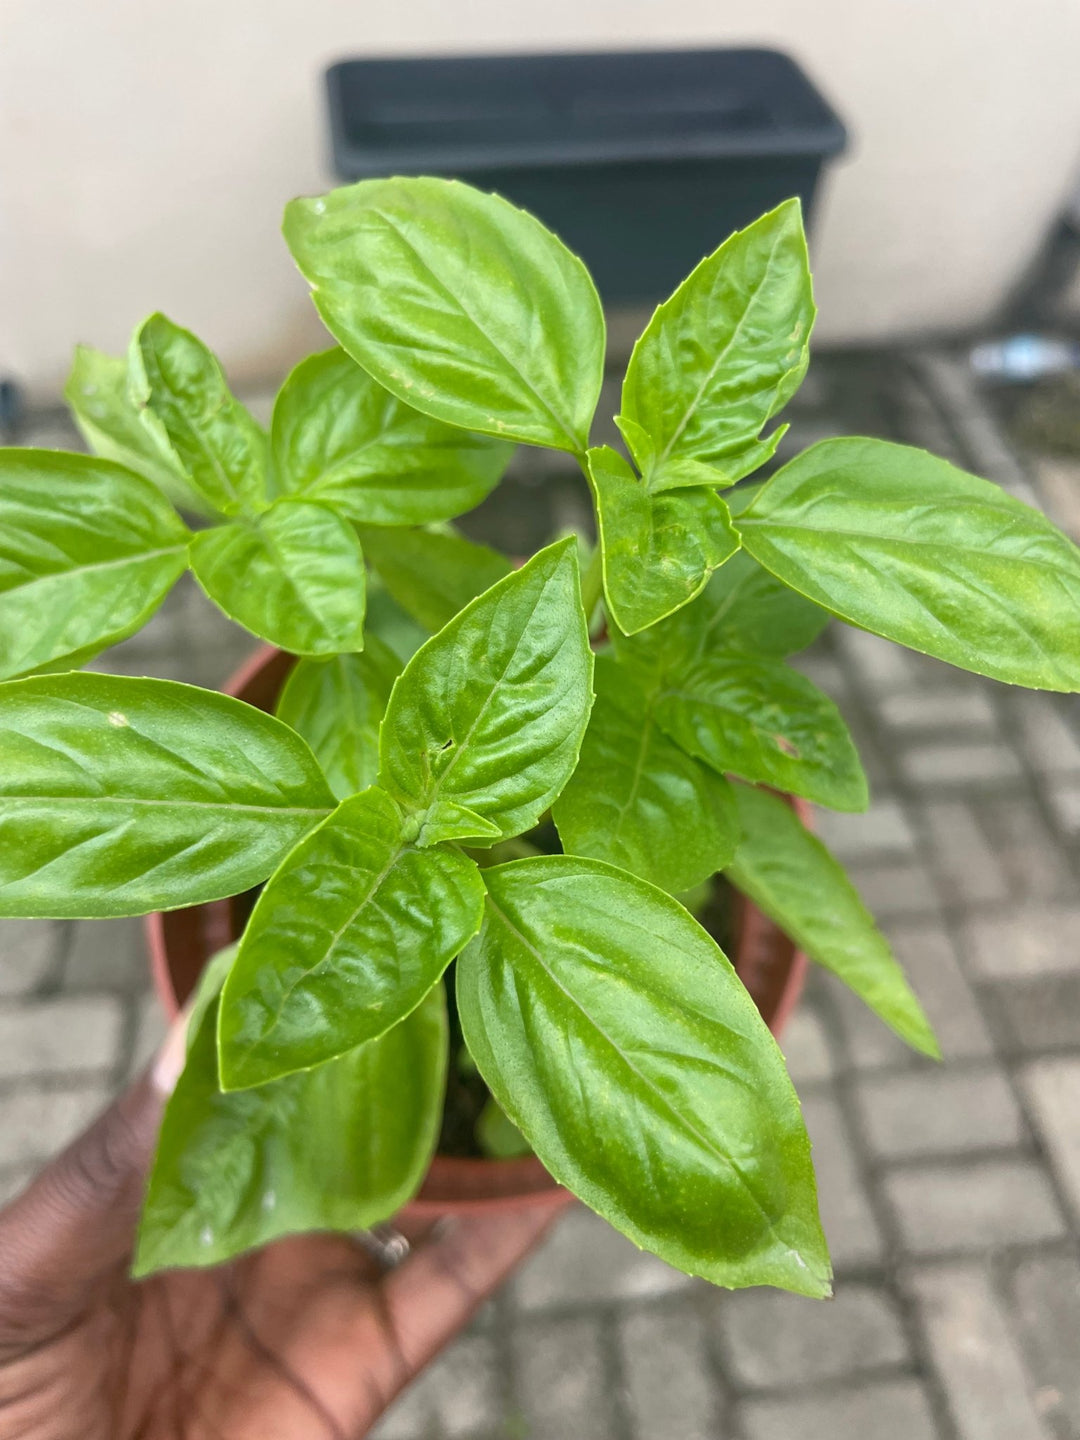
(742, 609)
(763, 721)
(337, 705)
(387, 621)
(222, 449)
(464, 306)
(88, 551)
(488, 716)
(746, 608)
(681, 472)
(338, 436)
(792, 878)
(120, 796)
(727, 350)
(619, 1040)
(637, 800)
(293, 576)
(432, 576)
(341, 1147)
(349, 935)
(659, 550)
(903, 544)
(118, 427)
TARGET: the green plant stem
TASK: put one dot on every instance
(592, 583)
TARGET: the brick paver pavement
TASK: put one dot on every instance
(950, 1194)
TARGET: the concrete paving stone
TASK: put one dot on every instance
(882, 830)
(1058, 483)
(846, 1213)
(1038, 1014)
(873, 755)
(38, 1122)
(938, 1112)
(1051, 1088)
(458, 1395)
(954, 765)
(107, 955)
(562, 1383)
(898, 890)
(806, 1048)
(1044, 1309)
(1027, 941)
(965, 867)
(1026, 849)
(150, 1030)
(825, 672)
(886, 1410)
(965, 709)
(13, 1182)
(769, 1338)
(880, 665)
(1049, 742)
(1063, 799)
(928, 958)
(978, 1206)
(584, 1261)
(54, 1037)
(953, 384)
(28, 954)
(666, 1379)
(989, 1392)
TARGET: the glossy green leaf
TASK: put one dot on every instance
(637, 800)
(726, 351)
(486, 721)
(88, 551)
(221, 448)
(293, 576)
(792, 878)
(338, 436)
(120, 427)
(387, 621)
(337, 705)
(763, 721)
(905, 545)
(119, 796)
(341, 1147)
(680, 472)
(464, 306)
(659, 550)
(349, 935)
(432, 576)
(617, 1037)
(743, 609)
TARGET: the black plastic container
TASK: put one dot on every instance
(642, 161)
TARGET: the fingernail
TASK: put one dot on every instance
(165, 1071)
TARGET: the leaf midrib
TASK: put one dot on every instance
(710, 376)
(565, 430)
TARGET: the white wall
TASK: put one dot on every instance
(147, 148)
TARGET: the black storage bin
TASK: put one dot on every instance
(641, 161)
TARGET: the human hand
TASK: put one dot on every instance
(310, 1337)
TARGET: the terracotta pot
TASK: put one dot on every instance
(181, 941)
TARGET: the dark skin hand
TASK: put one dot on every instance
(308, 1339)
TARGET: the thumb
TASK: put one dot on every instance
(75, 1223)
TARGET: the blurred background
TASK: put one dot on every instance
(146, 153)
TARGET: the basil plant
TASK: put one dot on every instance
(524, 795)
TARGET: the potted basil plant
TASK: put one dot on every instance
(524, 795)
